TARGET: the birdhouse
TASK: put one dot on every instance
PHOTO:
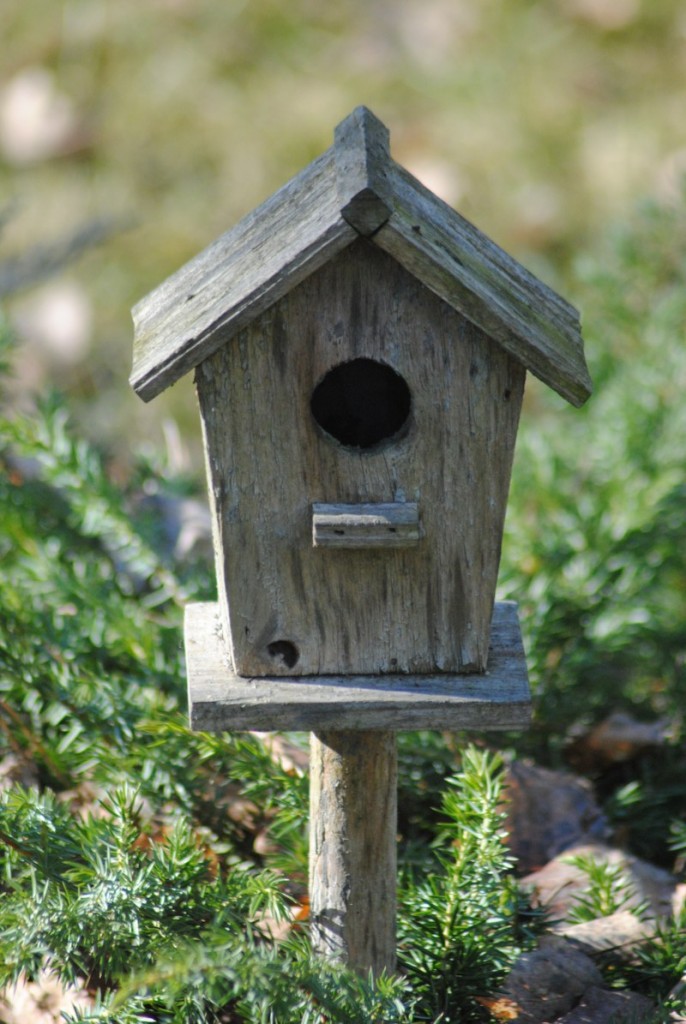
(360, 352)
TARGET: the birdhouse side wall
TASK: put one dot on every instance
(292, 608)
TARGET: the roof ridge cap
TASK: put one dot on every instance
(362, 160)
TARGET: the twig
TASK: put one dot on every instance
(42, 261)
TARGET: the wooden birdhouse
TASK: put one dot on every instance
(360, 353)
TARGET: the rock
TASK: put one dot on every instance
(17, 769)
(550, 981)
(619, 933)
(618, 738)
(602, 1006)
(558, 885)
(37, 121)
(291, 757)
(43, 1001)
(184, 523)
(549, 812)
(677, 997)
(607, 15)
(55, 325)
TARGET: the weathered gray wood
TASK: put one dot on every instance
(389, 525)
(242, 273)
(421, 609)
(362, 153)
(220, 701)
(353, 823)
(347, 192)
(456, 261)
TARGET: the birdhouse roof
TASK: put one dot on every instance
(354, 189)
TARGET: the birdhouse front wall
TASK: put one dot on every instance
(439, 404)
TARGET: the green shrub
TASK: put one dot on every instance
(608, 890)
(120, 865)
(595, 546)
(462, 922)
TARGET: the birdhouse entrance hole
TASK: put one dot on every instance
(361, 404)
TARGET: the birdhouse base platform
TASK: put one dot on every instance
(221, 701)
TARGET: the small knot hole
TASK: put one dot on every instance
(284, 651)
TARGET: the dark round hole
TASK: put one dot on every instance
(284, 651)
(361, 403)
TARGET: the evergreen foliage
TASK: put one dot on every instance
(608, 891)
(595, 541)
(595, 546)
(121, 866)
(461, 922)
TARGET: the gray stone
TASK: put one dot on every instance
(604, 1006)
(550, 981)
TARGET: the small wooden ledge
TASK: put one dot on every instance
(378, 525)
(221, 701)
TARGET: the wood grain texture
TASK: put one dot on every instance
(423, 609)
(362, 154)
(241, 274)
(353, 824)
(459, 263)
(353, 189)
(389, 525)
(221, 701)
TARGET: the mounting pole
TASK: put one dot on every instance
(353, 825)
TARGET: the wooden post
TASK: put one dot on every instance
(353, 823)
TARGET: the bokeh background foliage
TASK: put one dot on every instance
(539, 119)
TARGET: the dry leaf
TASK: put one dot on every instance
(500, 1007)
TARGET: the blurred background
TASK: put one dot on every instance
(133, 132)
